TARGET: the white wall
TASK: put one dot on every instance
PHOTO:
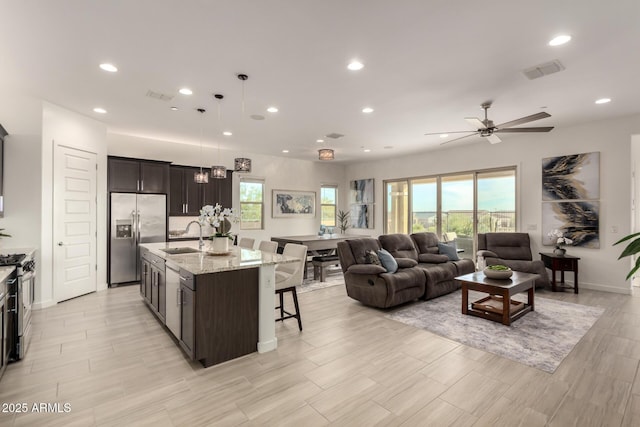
(599, 268)
(280, 173)
(61, 126)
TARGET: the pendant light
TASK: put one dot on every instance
(325, 154)
(242, 164)
(218, 172)
(201, 177)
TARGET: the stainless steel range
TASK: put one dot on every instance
(21, 296)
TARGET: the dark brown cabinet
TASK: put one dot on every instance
(138, 176)
(153, 283)
(186, 197)
(219, 315)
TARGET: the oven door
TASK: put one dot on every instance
(26, 287)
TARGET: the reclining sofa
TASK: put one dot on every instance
(423, 272)
(512, 250)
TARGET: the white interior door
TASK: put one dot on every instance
(74, 223)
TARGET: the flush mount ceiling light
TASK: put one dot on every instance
(560, 40)
(109, 67)
(201, 177)
(325, 154)
(272, 109)
(100, 110)
(219, 172)
(355, 65)
(367, 110)
(603, 101)
(186, 91)
(243, 164)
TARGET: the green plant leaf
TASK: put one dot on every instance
(624, 239)
(634, 269)
(632, 249)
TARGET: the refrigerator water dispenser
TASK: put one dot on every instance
(124, 229)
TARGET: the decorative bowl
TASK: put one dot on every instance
(497, 274)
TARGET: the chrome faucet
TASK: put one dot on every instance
(200, 242)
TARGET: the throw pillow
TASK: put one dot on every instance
(388, 261)
(370, 257)
(449, 250)
(406, 262)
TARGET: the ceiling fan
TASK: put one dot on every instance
(487, 129)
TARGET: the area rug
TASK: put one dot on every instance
(541, 339)
(334, 277)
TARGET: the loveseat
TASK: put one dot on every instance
(512, 250)
(423, 272)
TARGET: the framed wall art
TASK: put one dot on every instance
(290, 203)
(578, 220)
(361, 191)
(572, 177)
(362, 216)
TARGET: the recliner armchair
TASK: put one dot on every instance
(512, 250)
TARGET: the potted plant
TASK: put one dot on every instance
(218, 218)
(632, 249)
(343, 221)
(560, 240)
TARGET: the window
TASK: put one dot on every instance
(465, 204)
(251, 204)
(328, 202)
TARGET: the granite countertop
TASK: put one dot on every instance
(204, 263)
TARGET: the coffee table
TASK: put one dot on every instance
(519, 282)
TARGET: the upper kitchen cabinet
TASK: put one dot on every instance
(219, 191)
(186, 198)
(138, 176)
(185, 195)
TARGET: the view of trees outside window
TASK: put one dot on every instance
(251, 205)
(495, 210)
(328, 201)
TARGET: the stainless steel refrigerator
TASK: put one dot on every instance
(135, 219)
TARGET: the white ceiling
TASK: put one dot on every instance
(428, 64)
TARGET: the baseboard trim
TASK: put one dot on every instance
(41, 305)
(606, 288)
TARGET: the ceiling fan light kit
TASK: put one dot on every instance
(487, 129)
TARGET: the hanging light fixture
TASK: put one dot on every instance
(218, 172)
(325, 154)
(201, 177)
(242, 164)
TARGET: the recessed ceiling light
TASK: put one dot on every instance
(186, 91)
(367, 110)
(355, 65)
(319, 140)
(100, 110)
(603, 100)
(272, 109)
(558, 40)
(227, 133)
(285, 151)
(444, 135)
(109, 67)
(174, 108)
(366, 150)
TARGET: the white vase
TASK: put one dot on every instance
(221, 244)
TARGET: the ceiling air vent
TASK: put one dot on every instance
(159, 96)
(543, 69)
(334, 135)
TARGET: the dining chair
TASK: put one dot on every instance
(288, 276)
(246, 242)
(268, 246)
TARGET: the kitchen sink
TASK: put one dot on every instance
(175, 251)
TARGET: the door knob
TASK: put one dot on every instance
(60, 243)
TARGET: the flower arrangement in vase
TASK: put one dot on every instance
(218, 218)
(560, 240)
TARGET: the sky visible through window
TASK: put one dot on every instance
(495, 194)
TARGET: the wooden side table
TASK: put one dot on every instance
(561, 263)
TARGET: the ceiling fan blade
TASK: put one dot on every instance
(457, 131)
(524, 120)
(534, 129)
(493, 139)
(475, 122)
(456, 139)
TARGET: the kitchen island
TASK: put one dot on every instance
(218, 307)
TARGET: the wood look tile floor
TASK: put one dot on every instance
(107, 356)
